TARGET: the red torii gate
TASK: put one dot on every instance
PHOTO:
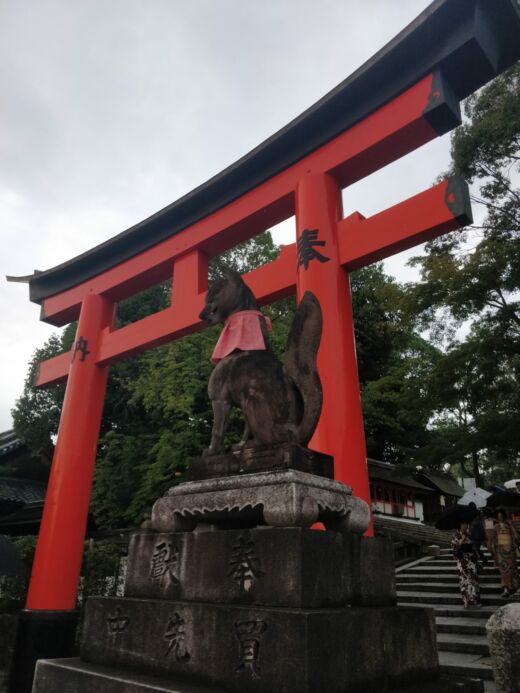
(310, 189)
(340, 147)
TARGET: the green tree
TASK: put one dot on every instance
(36, 414)
(469, 296)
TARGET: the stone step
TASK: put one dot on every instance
(461, 633)
(432, 597)
(433, 568)
(76, 676)
(458, 624)
(448, 551)
(451, 563)
(449, 560)
(454, 611)
(444, 578)
(461, 664)
(493, 588)
(456, 642)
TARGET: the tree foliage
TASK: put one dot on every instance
(469, 293)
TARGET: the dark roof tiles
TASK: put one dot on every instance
(21, 490)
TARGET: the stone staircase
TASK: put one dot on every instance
(461, 633)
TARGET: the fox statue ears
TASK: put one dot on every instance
(232, 275)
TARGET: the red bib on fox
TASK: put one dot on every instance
(242, 331)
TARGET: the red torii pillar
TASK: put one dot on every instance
(60, 543)
(340, 431)
(328, 246)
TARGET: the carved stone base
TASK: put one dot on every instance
(75, 676)
(264, 650)
(289, 567)
(284, 498)
(254, 458)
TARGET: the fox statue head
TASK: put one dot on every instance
(225, 296)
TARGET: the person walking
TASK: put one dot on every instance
(489, 528)
(477, 535)
(464, 554)
(506, 549)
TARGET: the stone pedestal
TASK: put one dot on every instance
(230, 590)
(279, 498)
(291, 567)
(77, 676)
(253, 458)
(503, 633)
(262, 649)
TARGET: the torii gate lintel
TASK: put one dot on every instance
(442, 208)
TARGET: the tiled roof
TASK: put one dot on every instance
(21, 490)
(445, 484)
(9, 442)
(390, 472)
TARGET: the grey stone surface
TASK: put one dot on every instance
(264, 650)
(254, 458)
(291, 567)
(8, 626)
(280, 498)
(503, 632)
(75, 676)
(374, 574)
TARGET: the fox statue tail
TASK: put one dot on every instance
(300, 363)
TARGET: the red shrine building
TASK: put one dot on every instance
(420, 497)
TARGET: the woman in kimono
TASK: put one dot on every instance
(489, 528)
(464, 554)
(506, 542)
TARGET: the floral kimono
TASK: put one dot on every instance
(506, 556)
(467, 569)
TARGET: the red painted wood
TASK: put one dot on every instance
(340, 429)
(53, 371)
(190, 276)
(387, 134)
(269, 283)
(416, 220)
(57, 562)
(361, 241)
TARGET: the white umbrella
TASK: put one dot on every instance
(511, 483)
(475, 495)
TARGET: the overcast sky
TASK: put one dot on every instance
(112, 109)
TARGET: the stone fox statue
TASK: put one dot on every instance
(281, 401)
